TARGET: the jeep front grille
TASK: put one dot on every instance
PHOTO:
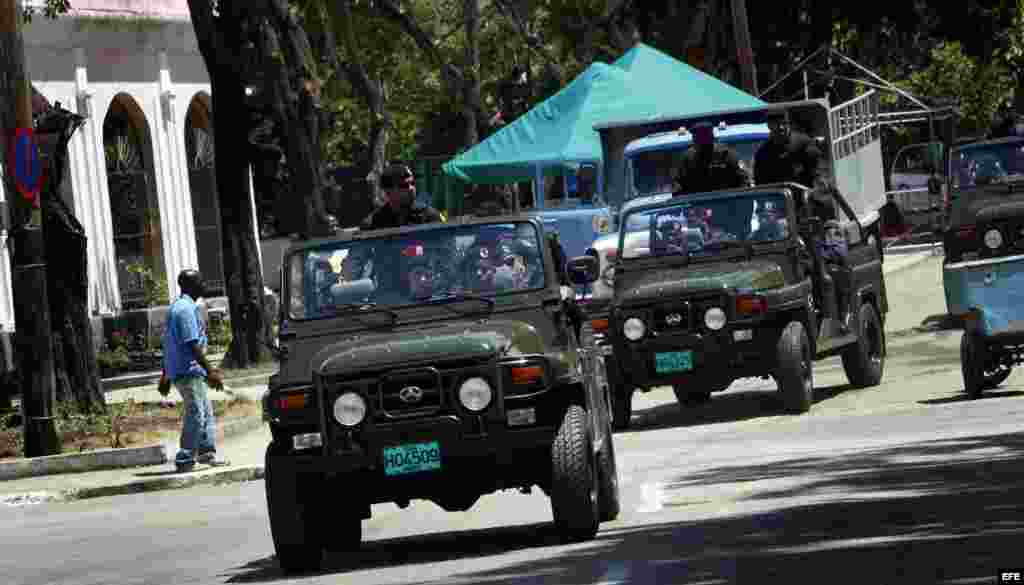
(410, 393)
(673, 318)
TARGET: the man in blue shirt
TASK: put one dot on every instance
(185, 365)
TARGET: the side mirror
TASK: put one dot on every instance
(583, 269)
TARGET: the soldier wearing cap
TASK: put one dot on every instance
(708, 166)
(401, 208)
(788, 156)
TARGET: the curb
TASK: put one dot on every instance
(211, 478)
(195, 479)
(87, 461)
(104, 459)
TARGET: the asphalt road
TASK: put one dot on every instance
(907, 482)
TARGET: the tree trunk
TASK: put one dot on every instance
(242, 275)
(219, 38)
(372, 90)
(471, 85)
(380, 135)
(285, 58)
(74, 363)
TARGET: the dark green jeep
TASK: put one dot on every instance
(714, 287)
(440, 362)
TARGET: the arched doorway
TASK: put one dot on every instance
(134, 208)
(203, 185)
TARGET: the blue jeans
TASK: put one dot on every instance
(199, 430)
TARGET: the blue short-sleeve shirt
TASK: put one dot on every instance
(184, 325)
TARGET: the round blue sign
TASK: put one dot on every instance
(26, 164)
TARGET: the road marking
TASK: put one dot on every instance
(653, 495)
(617, 573)
(29, 499)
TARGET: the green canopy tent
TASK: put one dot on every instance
(644, 82)
(687, 90)
(556, 132)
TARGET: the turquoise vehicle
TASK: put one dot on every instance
(983, 277)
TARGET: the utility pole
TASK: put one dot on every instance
(744, 51)
(31, 304)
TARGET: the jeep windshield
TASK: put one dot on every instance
(988, 163)
(703, 228)
(475, 263)
(654, 161)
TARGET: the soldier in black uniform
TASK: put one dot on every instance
(707, 166)
(789, 155)
(399, 186)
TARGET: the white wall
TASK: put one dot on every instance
(84, 67)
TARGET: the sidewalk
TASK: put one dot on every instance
(242, 443)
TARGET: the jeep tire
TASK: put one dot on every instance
(622, 407)
(973, 356)
(344, 533)
(864, 361)
(795, 368)
(293, 525)
(691, 398)
(574, 481)
(608, 480)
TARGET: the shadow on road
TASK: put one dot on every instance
(413, 550)
(938, 512)
(963, 397)
(730, 406)
(944, 511)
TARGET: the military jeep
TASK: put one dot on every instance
(440, 362)
(714, 287)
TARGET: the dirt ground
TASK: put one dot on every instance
(126, 425)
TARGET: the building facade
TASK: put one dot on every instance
(141, 177)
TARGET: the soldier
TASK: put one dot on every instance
(708, 166)
(788, 156)
(401, 208)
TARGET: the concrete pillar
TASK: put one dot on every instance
(173, 193)
(92, 199)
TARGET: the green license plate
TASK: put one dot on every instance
(671, 362)
(412, 458)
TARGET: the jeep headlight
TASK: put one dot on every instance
(714, 318)
(475, 394)
(634, 328)
(349, 409)
(993, 239)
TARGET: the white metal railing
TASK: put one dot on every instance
(854, 124)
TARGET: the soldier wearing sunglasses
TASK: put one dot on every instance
(401, 208)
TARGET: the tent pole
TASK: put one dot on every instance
(538, 187)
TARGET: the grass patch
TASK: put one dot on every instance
(127, 424)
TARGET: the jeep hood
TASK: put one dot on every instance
(753, 275)
(481, 341)
(980, 201)
(1002, 210)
